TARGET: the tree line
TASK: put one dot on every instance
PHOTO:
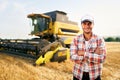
(112, 39)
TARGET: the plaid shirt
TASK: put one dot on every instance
(94, 60)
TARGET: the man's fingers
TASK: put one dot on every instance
(81, 53)
(98, 50)
(77, 61)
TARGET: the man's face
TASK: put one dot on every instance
(87, 27)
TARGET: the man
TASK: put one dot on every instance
(88, 52)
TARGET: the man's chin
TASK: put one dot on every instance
(87, 32)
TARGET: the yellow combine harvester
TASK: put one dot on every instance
(55, 34)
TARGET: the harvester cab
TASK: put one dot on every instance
(40, 24)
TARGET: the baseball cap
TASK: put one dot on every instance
(87, 18)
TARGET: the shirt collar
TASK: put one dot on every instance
(93, 36)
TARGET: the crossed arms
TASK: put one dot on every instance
(98, 56)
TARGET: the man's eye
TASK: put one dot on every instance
(89, 23)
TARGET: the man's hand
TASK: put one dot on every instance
(98, 50)
(81, 53)
(77, 61)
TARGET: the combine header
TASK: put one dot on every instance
(55, 34)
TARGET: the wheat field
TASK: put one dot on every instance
(14, 67)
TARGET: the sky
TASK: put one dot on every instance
(14, 23)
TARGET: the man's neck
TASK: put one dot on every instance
(87, 36)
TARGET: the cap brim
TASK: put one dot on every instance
(87, 21)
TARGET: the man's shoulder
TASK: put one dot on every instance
(78, 37)
(98, 37)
